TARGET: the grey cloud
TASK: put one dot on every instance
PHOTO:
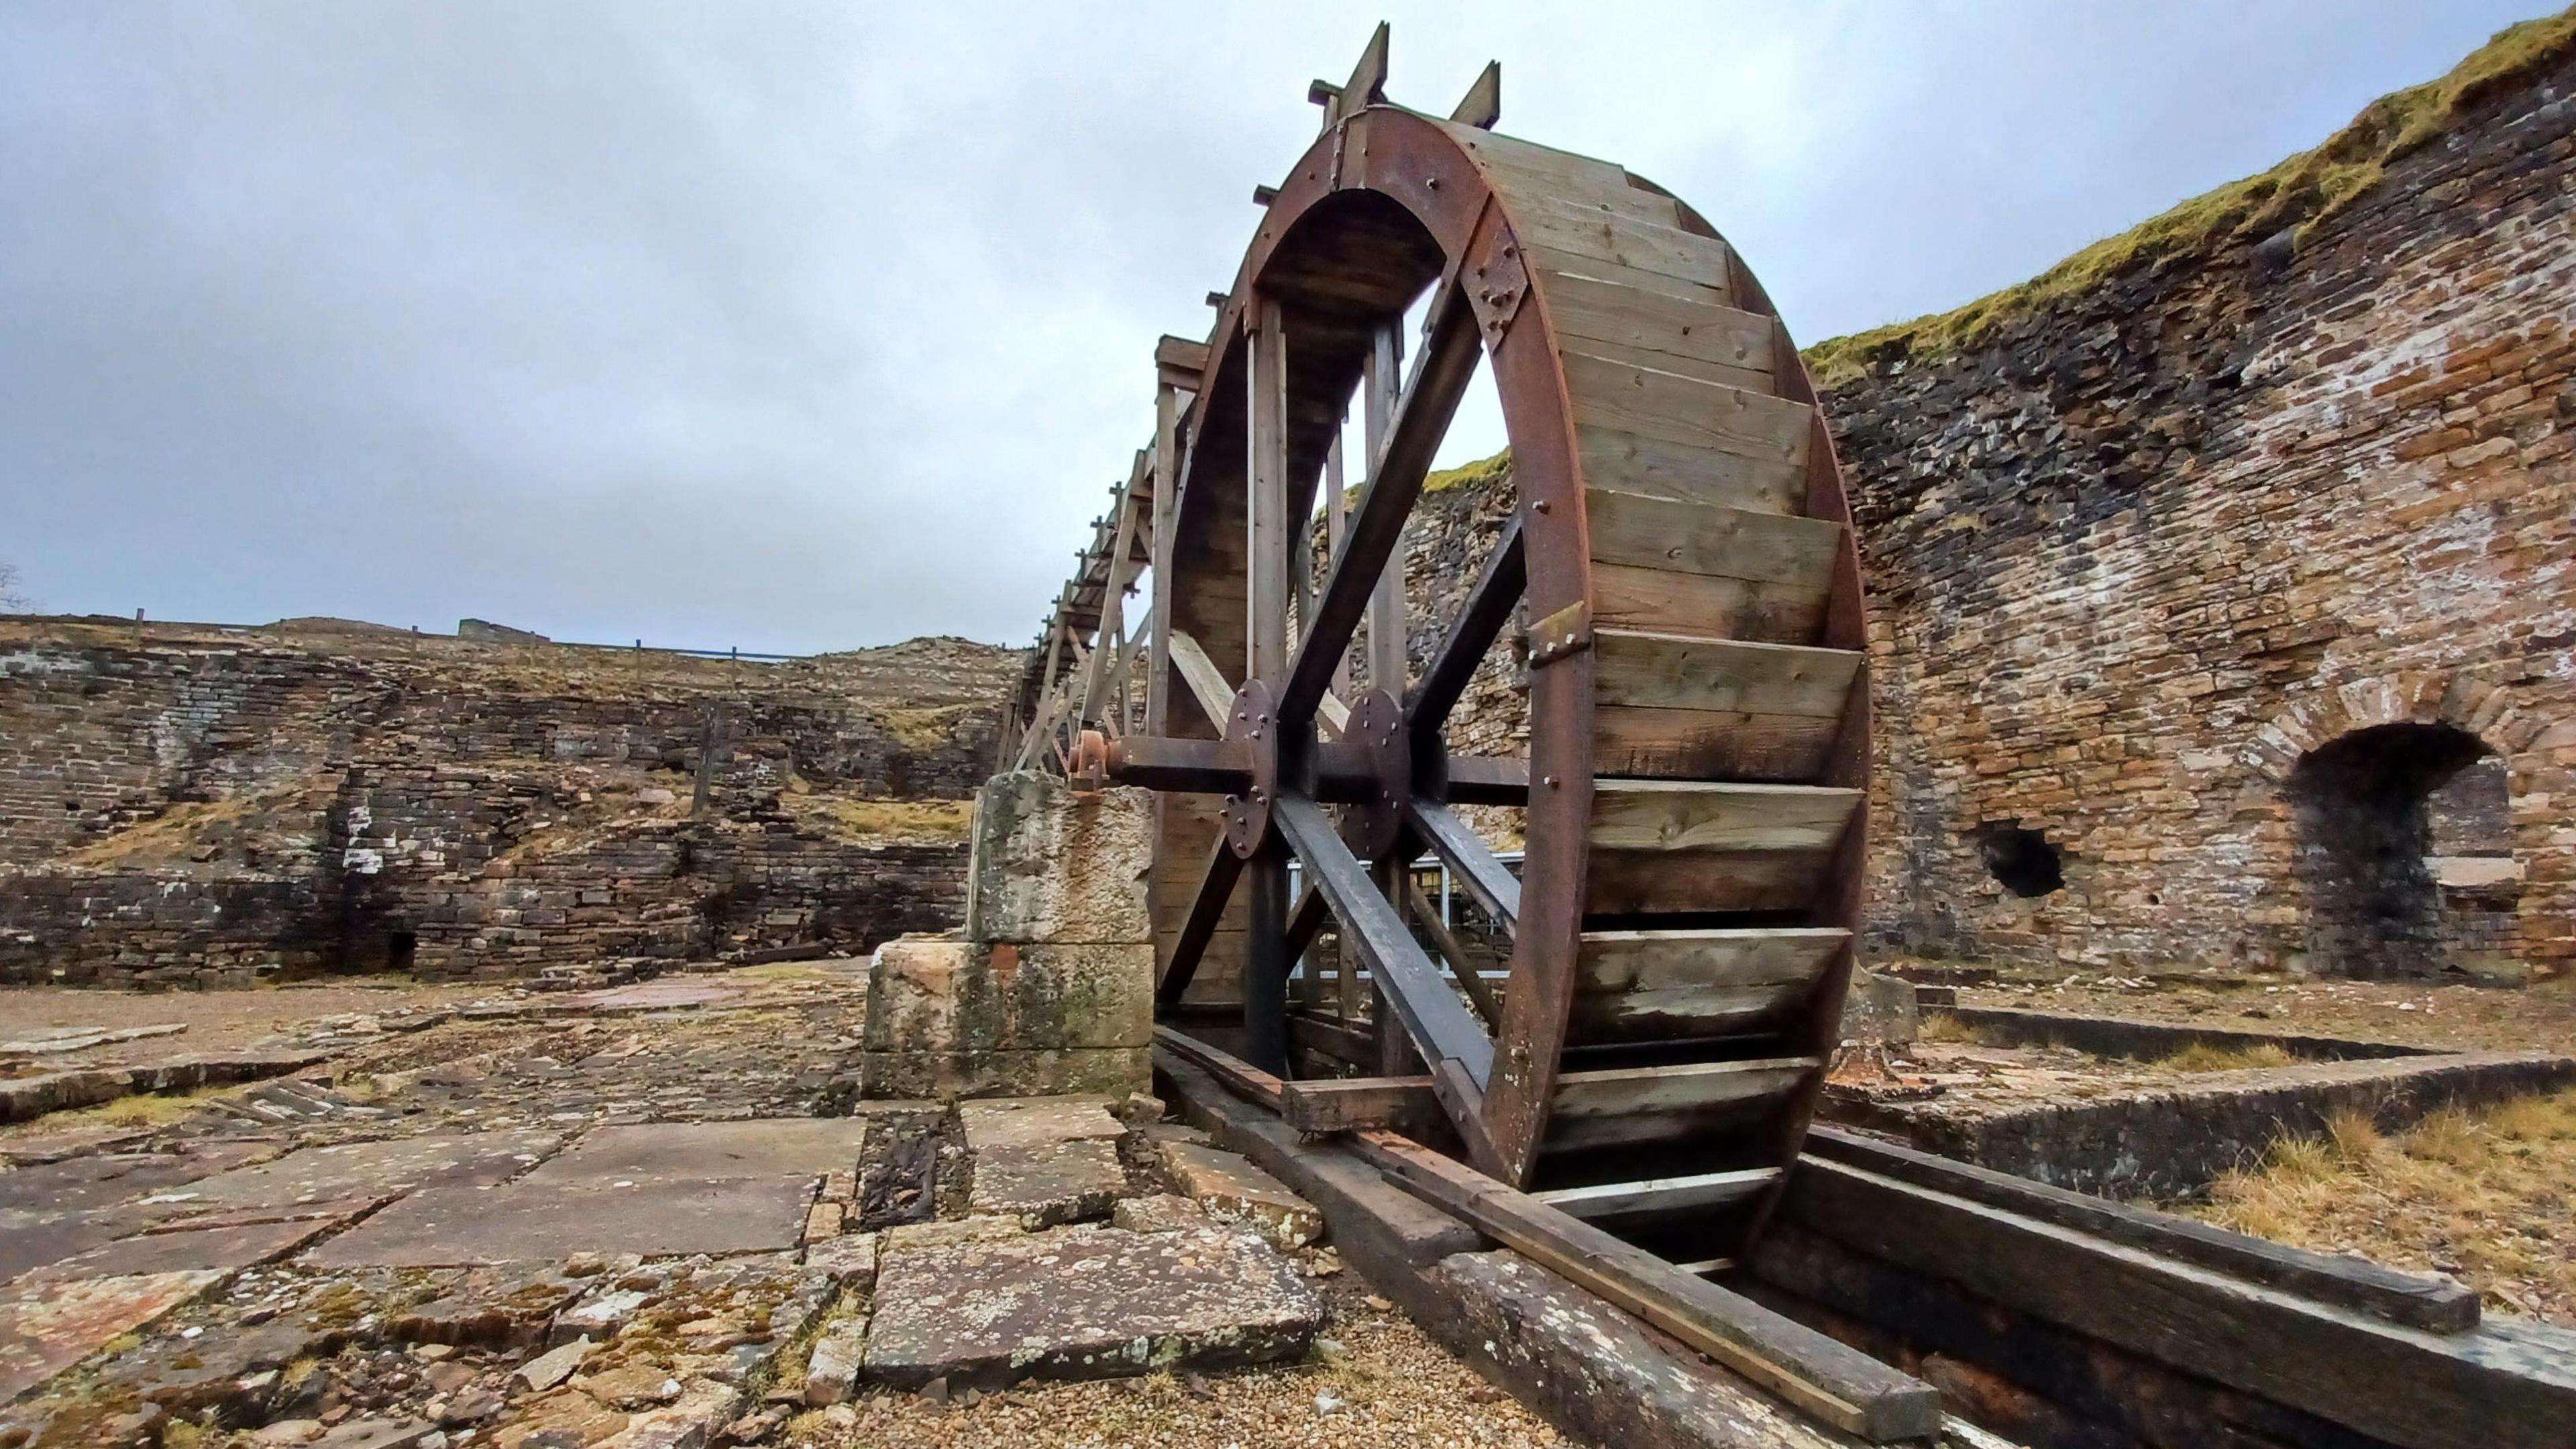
(802, 325)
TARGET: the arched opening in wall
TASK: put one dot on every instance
(2023, 860)
(401, 948)
(2379, 816)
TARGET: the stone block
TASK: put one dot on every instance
(1161, 1212)
(1050, 1183)
(1086, 1302)
(1004, 1073)
(1050, 864)
(1231, 1190)
(952, 996)
(1037, 1122)
(1879, 1010)
(832, 1373)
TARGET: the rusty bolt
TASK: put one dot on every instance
(1540, 506)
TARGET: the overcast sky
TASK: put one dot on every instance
(800, 326)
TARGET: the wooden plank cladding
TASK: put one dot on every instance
(1684, 672)
(1700, 743)
(1662, 985)
(1653, 329)
(1697, 816)
(1678, 409)
(1658, 1104)
(1635, 463)
(1551, 228)
(1660, 564)
(1632, 882)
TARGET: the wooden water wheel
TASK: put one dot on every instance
(1680, 932)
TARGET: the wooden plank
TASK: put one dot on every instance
(1380, 377)
(1322, 1034)
(1680, 671)
(1267, 526)
(1656, 601)
(1347, 1103)
(2420, 1300)
(1231, 1072)
(1591, 314)
(1602, 233)
(2493, 1387)
(1181, 354)
(1207, 683)
(1634, 463)
(1482, 106)
(1656, 1104)
(1700, 744)
(1619, 961)
(1528, 167)
(1724, 374)
(1678, 409)
(1694, 815)
(1660, 1194)
(1629, 882)
(1684, 1013)
(1815, 1374)
(1642, 531)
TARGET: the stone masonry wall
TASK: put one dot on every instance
(2135, 555)
(2138, 552)
(186, 804)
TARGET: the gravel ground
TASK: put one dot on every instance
(2541, 1017)
(1385, 1384)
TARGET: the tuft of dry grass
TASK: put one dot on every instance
(1941, 1026)
(2206, 1057)
(2481, 1195)
(2296, 196)
(945, 822)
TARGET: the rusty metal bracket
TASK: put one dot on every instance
(1567, 631)
(1495, 276)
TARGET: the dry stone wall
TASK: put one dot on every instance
(2223, 612)
(197, 805)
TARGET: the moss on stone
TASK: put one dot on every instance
(2295, 197)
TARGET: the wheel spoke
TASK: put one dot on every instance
(1432, 1014)
(1489, 606)
(1431, 397)
(1486, 878)
(1216, 886)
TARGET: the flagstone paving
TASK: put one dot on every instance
(634, 1217)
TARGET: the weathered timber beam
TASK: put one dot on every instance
(1309, 917)
(1207, 683)
(1473, 864)
(1323, 1034)
(2496, 1387)
(2418, 1300)
(1483, 780)
(1828, 1379)
(1661, 1194)
(1443, 940)
(1344, 773)
(1497, 591)
(1189, 766)
(1430, 1012)
(1482, 106)
(1231, 1072)
(1207, 909)
(1367, 85)
(1341, 1104)
(1376, 528)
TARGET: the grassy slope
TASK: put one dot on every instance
(2294, 196)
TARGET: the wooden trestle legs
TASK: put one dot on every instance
(1680, 562)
